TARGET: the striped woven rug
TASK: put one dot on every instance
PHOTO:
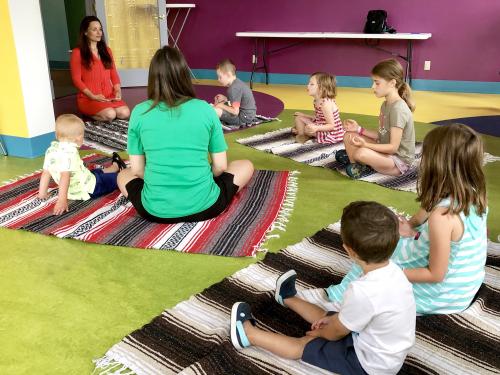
(193, 337)
(282, 143)
(239, 231)
(110, 137)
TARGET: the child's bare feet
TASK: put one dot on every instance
(294, 131)
(301, 138)
(113, 168)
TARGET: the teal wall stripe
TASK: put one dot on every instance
(27, 147)
(353, 81)
(456, 86)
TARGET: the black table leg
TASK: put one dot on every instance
(265, 53)
(409, 59)
(255, 58)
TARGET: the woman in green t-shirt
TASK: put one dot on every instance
(169, 138)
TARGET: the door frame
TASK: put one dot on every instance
(136, 77)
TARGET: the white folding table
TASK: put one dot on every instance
(263, 36)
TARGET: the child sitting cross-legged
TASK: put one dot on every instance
(63, 163)
(325, 125)
(391, 149)
(375, 325)
(443, 246)
(238, 108)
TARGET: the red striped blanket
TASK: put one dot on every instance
(238, 231)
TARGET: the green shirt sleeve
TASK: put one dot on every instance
(134, 143)
(217, 142)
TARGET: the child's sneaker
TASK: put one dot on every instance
(240, 313)
(341, 157)
(285, 287)
(119, 161)
(356, 170)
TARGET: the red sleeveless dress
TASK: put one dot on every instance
(97, 79)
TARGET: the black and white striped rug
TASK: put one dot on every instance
(112, 136)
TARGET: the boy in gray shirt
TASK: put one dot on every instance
(238, 108)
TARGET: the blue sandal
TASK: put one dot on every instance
(341, 157)
(356, 170)
(285, 287)
(240, 313)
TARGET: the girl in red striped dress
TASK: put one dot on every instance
(325, 125)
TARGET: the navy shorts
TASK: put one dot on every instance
(336, 356)
(105, 183)
(227, 191)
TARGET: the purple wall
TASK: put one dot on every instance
(465, 43)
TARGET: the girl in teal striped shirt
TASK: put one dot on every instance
(442, 248)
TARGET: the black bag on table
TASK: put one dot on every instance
(376, 23)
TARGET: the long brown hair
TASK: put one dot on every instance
(451, 167)
(169, 80)
(391, 69)
(83, 44)
(327, 85)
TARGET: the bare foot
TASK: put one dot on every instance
(301, 138)
(294, 131)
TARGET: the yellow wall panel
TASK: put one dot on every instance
(12, 113)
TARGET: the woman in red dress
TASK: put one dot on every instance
(94, 73)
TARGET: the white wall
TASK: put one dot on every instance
(29, 41)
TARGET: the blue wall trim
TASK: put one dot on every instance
(456, 86)
(27, 147)
(365, 82)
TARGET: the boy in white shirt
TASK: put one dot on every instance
(63, 163)
(375, 326)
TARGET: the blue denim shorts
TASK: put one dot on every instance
(105, 183)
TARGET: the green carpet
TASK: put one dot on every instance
(64, 302)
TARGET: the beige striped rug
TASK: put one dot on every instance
(192, 337)
(282, 143)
